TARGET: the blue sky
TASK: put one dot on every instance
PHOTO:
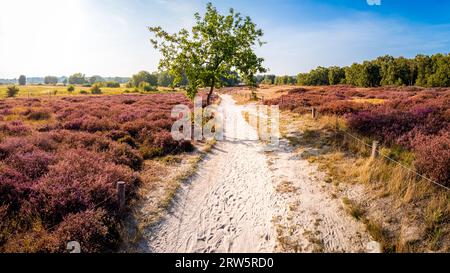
(109, 37)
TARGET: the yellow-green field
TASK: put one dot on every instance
(51, 90)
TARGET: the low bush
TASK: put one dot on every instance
(95, 90)
(38, 114)
(12, 91)
(433, 156)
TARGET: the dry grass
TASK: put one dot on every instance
(162, 178)
(286, 187)
(59, 90)
(371, 101)
(354, 209)
(347, 160)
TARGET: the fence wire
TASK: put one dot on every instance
(337, 130)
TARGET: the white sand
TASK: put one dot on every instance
(231, 204)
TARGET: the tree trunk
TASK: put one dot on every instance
(208, 101)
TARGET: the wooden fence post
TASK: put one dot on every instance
(374, 149)
(314, 112)
(121, 195)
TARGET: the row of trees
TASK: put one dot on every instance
(423, 70)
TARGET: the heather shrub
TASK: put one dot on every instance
(433, 156)
(90, 228)
(123, 155)
(128, 101)
(14, 128)
(116, 134)
(39, 114)
(58, 176)
(94, 124)
(33, 164)
(340, 107)
(79, 181)
(127, 140)
(11, 145)
(412, 123)
(73, 124)
(14, 187)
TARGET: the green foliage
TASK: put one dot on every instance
(283, 80)
(95, 89)
(165, 79)
(51, 80)
(217, 46)
(12, 91)
(369, 75)
(318, 76)
(232, 79)
(336, 75)
(22, 80)
(268, 79)
(143, 77)
(396, 71)
(95, 79)
(386, 70)
(71, 88)
(77, 78)
(112, 84)
(146, 87)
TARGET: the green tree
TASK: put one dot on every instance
(369, 75)
(352, 74)
(232, 79)
(95, 79)
(318, 76)
(441, 71)
(216, 46)
(51, 80)
(336, 75)
(424, 69)
(144, 76)
(165, 79)
(302, 78)
(71, 88)
(268, 79)
(77, 78)
(22, 80)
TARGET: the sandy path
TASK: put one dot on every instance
(316, 220)
(233, 205)
(228, 206)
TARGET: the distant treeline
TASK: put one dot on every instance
(423, 70)
(165, 79)
(76, 78)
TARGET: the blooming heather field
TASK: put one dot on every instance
(60, 160)
(412, 118)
